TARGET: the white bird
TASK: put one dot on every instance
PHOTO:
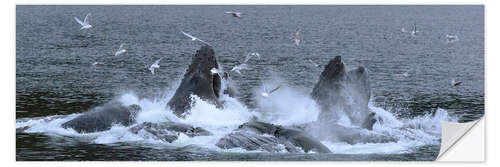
(414, 31)
(405, 74)
(85, 24)
(214, 71)
(237, 68)
(96, 63)
(154, 66)
(250, 55)
(455, 83)
(120, 50)
(194, 38)
(267, 93)
(235, 14)
(313, 63)
(297, 38)
(451, 38)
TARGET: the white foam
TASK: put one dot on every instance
(285, 106)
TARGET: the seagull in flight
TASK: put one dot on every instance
(96, 63)
(85, 24)
(405, 74)
(455, 83)
(267, 93)
(120, 50)
(155, 65)
(214, 71)
(403, 29)
(250, 55)
(451, 38)
(235, 14)
(414, 31)
(313, 63)
(297, 38)
(194, 38)
(239, 67)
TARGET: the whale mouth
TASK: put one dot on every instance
(216, 85)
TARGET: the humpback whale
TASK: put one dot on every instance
(102, 118)
(169, 131)
(339, 93)
(263, 136)
(198, 80)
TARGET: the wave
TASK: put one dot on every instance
(287, 106)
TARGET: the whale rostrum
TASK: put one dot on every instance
(198, 80)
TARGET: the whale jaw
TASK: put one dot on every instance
(343, 93)
(198, 80)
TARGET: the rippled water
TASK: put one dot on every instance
(55, 76)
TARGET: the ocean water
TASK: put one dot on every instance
(56, 81)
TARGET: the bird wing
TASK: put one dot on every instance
(121, 47)
(275, 89)
(158, 61)
(247, 57)
(190, 36)
(203, 41)
(79, 21)
(86, 20)
(312, 62)
(243, 66)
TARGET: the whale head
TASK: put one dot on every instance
(198, 80)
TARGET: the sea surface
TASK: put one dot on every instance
(55, 75)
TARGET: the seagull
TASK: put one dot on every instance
(194, 38)
(235, 14)
(214, 71)
(313, 63)
(239, 67)
(96, 63)
(455, 83)
(85, 24)
(414, 31)
(405, 74)
(297, 38)
(155, 65)
(250, 55)
(266, 93)
(120, 50)
(451, 38)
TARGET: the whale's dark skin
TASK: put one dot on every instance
(169, 131)
(257, 135)
(102, 118)
(198, 80)
(338, 90)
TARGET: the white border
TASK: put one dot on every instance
(8, 84)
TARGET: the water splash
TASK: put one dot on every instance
(287, 106)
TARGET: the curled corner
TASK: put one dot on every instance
(451, 133)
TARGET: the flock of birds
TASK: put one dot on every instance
(243, 66)
(450, 38)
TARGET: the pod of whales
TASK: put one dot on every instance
(337, 92)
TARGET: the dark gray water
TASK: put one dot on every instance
(55, 76)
